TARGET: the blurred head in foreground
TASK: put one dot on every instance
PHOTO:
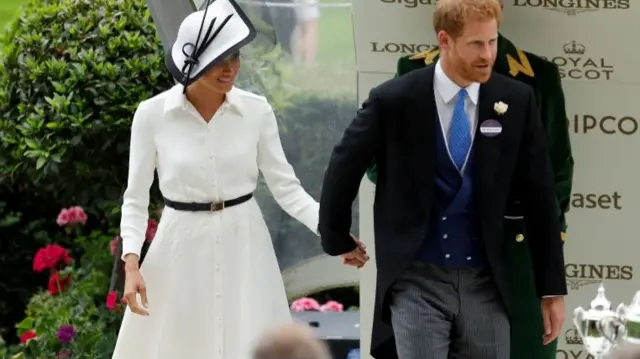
(629, 351)
(290, 342)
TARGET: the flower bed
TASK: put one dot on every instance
(75, 315)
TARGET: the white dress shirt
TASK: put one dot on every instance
(446, 95)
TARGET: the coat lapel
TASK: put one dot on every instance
(422, 132)
(487, 149)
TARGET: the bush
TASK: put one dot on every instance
(71, 74)
(73, 317)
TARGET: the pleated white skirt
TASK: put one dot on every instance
(213, 285)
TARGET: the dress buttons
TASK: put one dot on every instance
(445, 236)
(447, 255)
(468, 258)
(444, 218)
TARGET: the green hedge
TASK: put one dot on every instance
(71, 74)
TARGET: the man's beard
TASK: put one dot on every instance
(471, 72)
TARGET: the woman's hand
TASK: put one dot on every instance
(134, 284)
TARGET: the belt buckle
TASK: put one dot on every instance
(215, 207)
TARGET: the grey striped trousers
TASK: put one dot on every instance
(440, 313)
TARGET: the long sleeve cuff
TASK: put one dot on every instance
(131, 246)
(309, 217)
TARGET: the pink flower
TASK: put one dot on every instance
(113, 245)
(78, 215)
(72, 215)
(152, 228)
(305, 305)
(63, 217)
(332, 306)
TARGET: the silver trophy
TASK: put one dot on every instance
(625, 327)
(602, 329)
(589, 325)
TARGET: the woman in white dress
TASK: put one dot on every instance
(210, 282)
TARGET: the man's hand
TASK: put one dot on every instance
(552, 317)
(357, 257)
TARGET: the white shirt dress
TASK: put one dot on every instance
(213, 281)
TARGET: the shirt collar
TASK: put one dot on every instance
(176, 99)
(448, 89)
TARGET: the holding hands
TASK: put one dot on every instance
(357, 257)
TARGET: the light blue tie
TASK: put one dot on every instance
(459, 132)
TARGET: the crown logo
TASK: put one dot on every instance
(572, 337)
(574, 48)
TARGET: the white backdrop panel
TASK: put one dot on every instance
(387, 29)
(591, 46)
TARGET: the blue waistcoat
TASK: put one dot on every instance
(453, 240)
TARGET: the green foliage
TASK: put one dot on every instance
(309, 128)
(265, 71)
(80, 304)
(71, 74)
(70, 78)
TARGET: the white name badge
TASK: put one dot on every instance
(490, 128)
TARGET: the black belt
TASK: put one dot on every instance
(206, 207)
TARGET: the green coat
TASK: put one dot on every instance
(544, 77)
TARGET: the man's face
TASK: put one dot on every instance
(473, 53)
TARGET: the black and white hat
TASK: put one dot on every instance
(206, 37)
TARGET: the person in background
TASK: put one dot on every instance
(305, 34)
(627, 351)
(290, 342)
(544, 78)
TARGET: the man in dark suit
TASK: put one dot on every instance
(453, 143)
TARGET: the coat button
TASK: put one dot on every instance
(519, 238)
(563, 236)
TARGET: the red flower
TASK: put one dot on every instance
(49, 257)
(112, 300)
(113, 245)
(58, 284)
(28, 335)
(152, 228)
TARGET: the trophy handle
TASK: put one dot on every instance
(621, 312)
(611, 328)
(578, 321)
